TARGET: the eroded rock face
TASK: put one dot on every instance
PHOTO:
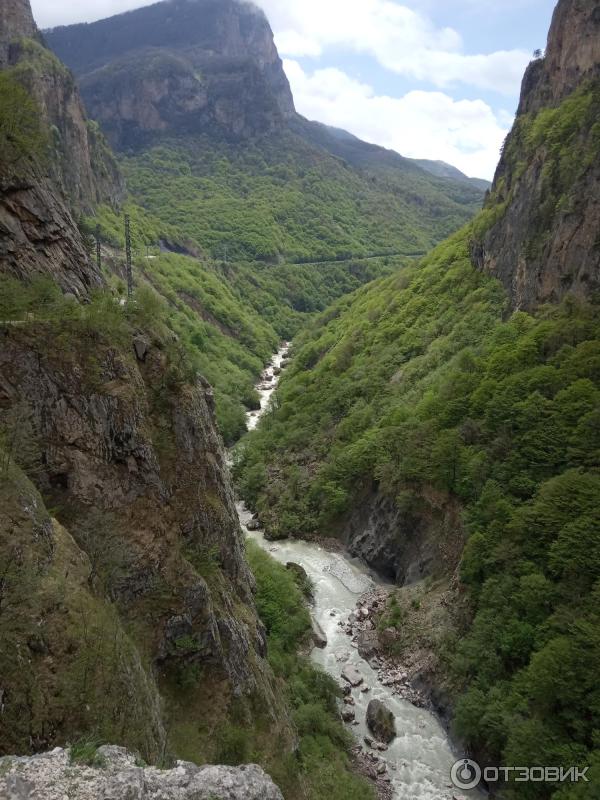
(16, 20)
(66, 661)
(405, 546)
(38, 236)
(51, 776)
(38, 202)
(208, 66)
(572, 56)
(545, 242)
(120, 442)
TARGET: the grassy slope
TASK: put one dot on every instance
(417, 382)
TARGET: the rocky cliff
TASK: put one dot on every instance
(39, 198)
(540, 235)
(16, 21)
(118, 774)
(124, 590)
(131, 460)
(201, 66)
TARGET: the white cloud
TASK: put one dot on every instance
(465, 133)
(400, 38)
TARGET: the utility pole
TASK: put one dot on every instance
(128, 256)
(98, 250)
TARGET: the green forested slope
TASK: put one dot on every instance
(422, 385)
(278, 197)
(243, 210)
(229, 317)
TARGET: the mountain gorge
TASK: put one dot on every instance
(443, 423)
(438, 420)
(229, 187)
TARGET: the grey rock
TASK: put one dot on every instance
(381, 721)
(141, 348)
(50, 776)
(352, 675)
(348, 715)
(319, 636)
(368, 643)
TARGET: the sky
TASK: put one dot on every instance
(435, 79)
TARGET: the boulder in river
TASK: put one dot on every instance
(368, 643)
(319, 636)
(352, 675)
(381, 721)
(303, 581)
(253, 525)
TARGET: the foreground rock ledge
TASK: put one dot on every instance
(51, 776)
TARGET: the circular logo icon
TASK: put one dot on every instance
(466, 774)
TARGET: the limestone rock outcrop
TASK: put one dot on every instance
(52, 776)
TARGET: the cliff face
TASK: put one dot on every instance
(541, 239)
(38, 235)
(39, 199)
(130, 457)
(16, 21)
(133, 592)
(187, 65)
(572, 56)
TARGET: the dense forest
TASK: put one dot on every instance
(424, 388)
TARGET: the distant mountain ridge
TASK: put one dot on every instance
(200, 66)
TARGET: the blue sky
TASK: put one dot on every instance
(435, 79)
(432, 79)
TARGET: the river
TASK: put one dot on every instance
(419, 760)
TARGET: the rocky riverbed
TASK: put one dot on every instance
(361, 627)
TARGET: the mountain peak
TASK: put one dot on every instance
(181, 66)
(540, 236)
(16, 21)
(572, 56)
